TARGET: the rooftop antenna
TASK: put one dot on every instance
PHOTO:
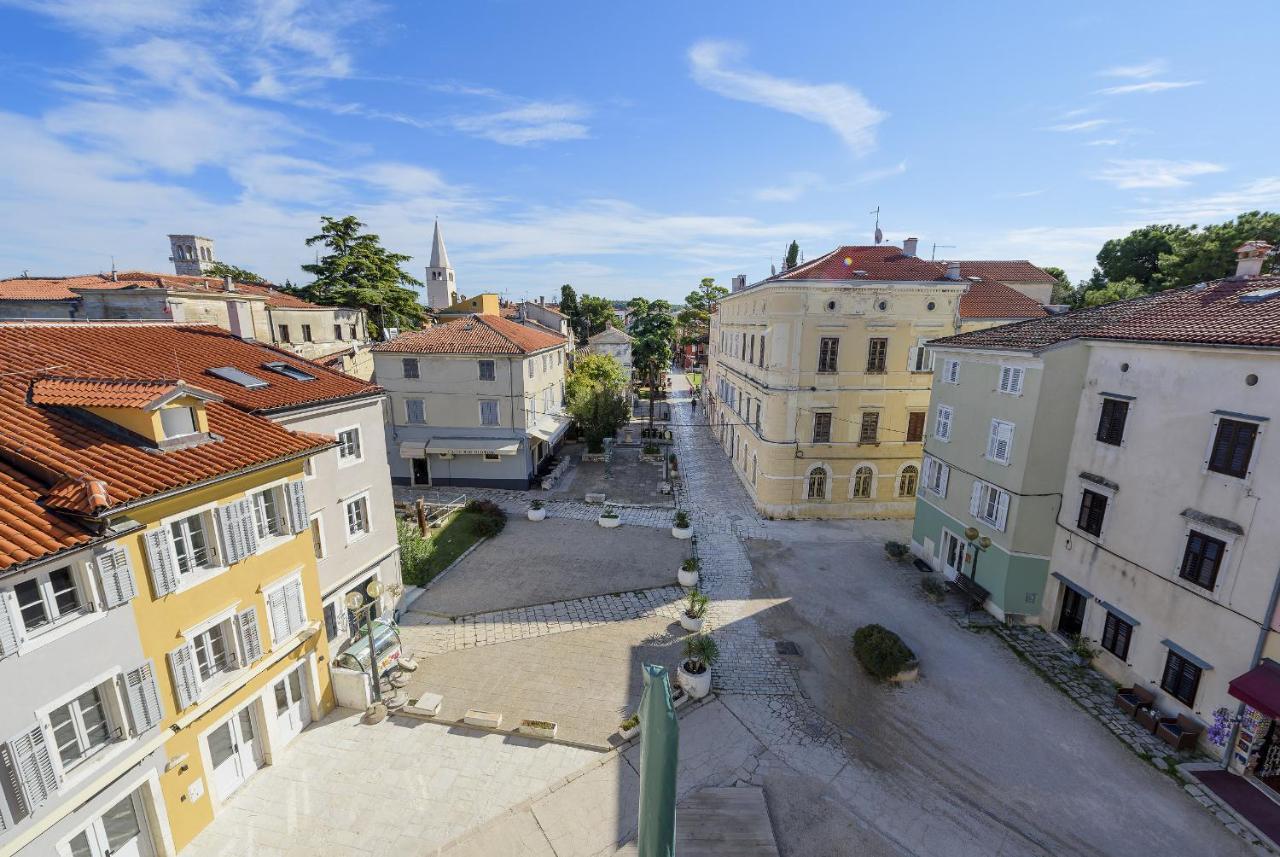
(879, 234)
(934, 255)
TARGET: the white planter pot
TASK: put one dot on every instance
(609, 523)
(628, 734)
(538, 730)
(697, 685)
(687, 578)
(682, 532)
(536, 514)
(690, 624)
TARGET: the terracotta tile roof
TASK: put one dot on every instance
(107, 392)
(475, 334)
(62, 288)
(1223, 312)
(28, 531)
(989, 299)
(888, 263)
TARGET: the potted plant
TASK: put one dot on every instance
(539, 728)
(897, 550)
(695, 612)
(537, 511)
(681, 528)
(883, 654)
(933, 590)
(688, 573)
(1082, 650)
(694, 674)
(630, 727)
(609, 518)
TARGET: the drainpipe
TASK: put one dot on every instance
(1257, 656)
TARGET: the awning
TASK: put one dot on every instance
(412, 448)
(473, 445)
(1259, 688)
(550, 430)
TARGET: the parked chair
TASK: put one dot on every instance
(1130, 699)
(1180, 733)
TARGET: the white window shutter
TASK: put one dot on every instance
(31, 768)
(975, 498)
(186, 682)
(297, 608)
(161, 561)
(946, 477)
(144, 697)
(277, 604)
(248, 527)
(992, 436)
(299, 520)
(1002, 510)
(10, 636)
(230, 531)
(115, 572)
(250, 634)
(913, 358)
(1005, 378)
(1015, 380)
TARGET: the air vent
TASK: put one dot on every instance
(238, 376)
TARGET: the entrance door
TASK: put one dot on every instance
(233, 748)
(1071, 619)
(121, 831)
(421, 471)
(293, 712)
(952, 555)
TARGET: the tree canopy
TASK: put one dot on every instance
(237, 275)
(793, 255)
(652, 334)
(596, 397)
(359, 272)
(595, 314)
(695, 318)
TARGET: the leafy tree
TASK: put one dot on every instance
(695, 318)
(359, 272)
(569, 307)
(1137, 255)
(596, 397)
(793, 255)
(595, 315)
(1121, 290)
(653, 332)
(1209, 253)
(1063, 291)
(237, 275)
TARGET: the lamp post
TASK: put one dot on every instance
(364, 612)
(979, 544)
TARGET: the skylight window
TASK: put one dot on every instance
(289, 371)
(238, 376)
(1259, 295)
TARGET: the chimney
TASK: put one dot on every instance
(1249, 258)
(953, 270)
(739, 282)
(542, 300)
(909, 246)
(226, 281)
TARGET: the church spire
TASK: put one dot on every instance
(439, 256)
(441, 291)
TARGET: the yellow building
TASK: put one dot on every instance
(482, 304)
(818, 378)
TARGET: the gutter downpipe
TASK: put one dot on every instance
(1257, 656)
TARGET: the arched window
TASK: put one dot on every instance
(907, 481)
(817, 487)
(862, 479)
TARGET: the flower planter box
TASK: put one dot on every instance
(697, 685)
(538, 728)
(682, 532)
(487, 719)
(691, 624)
(688, 579)
(536, 514)
(678, 696)
(599, 457)
(609, 523)
(655, 458)
(628, 734)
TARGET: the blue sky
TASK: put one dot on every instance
(625, 148)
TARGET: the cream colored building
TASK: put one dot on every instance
(818, 380)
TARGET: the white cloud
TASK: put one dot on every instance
(1077, 127)
(882, 173)
(796, 186)
(112, 17)
(1072, 248)
(1153, 172)
(534, 122)
(1106, 141)
(1259, 194)
(841, 108)
(1148, 86)
(1138, 70)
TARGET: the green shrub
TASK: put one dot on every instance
(682, 520)
(630, 723)
(595, 446)
(415, 551)
(486, 526)
(487, 508)
(691, 564)
(881, 652)
(897, 550)
(651, 449)
(933, 588)
(696, 607)
(700, 652)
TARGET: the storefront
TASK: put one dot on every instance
(1256, 753)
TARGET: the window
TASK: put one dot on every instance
(862, 481)
(530, 362)
(337, 331)
(1093, 506)
(349, 445)
(492, 456)
(915, 427)
(877, 352)
(920, 359)
(870, 428)
(1233, 447)
(828, 354)
(990, 504)
(1111, 423)
(1115, 636)
(489, 412)
(822, 428)
(951, 372)
(559, 358)
(331, 621)
(1202, 559)
(213, 654)
(751, 349)
(817, 488)
(761, 362)
(238, 376)
(357, 517)
(80, 728)
(908, 481)
(486, 370)
(178, 422)
(1181, 678)
(193, 542)
(1011, 380)
(1000, 441)
(353, 332)
(317, 536)
(284, 332)
(414, 411)
(48, 598)
(289, 371)
(942, 423)
(268, 514)
(936, 475)
(409, 366)
(306, 333)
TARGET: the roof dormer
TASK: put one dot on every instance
(167, 413)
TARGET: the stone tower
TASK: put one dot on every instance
(191, 255)
(441, 289)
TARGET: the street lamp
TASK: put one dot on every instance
(364, 612)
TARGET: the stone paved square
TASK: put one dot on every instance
(623, 479)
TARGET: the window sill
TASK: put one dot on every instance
(92, 764)
(349, 462)
(352, 538)
(192, 579)
(46, 634)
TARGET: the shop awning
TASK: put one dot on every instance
(473, 445)
(1259, 688)
(412, 448)
(550, 430)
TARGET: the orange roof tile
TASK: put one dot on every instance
(28, 531)
(107, 392)
(989, 299)
(64, 288)
(888, 263)
(475, 334)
